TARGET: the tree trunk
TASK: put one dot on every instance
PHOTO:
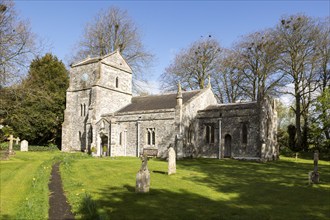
(298, 117)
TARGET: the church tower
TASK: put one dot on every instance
(98, 86)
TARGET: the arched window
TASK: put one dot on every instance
(244, 133)
(81, 110)
(151, 136)
(117, 82)
(84, 109)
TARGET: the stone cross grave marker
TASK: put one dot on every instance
(11, 140)
(17, 140)
(171, 161)
(143, 177)
(24, 145)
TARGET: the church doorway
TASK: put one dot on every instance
(227, 146)
(104, 145)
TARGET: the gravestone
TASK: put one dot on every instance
(171, 161)
(315, 176)
(24, 145)
(11, 140)
(17, 140)
(143, 177)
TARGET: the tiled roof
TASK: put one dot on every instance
(157, 102)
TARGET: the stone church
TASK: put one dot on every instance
(102, 117)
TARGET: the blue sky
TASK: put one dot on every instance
(165, 26)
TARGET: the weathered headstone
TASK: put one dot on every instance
(11, 139)
(143, 177)
(171, 161)
(24, 145)
(315, 176)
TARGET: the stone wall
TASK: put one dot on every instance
(268, 130)
(233, 117)
(136, 125)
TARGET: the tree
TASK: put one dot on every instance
(323, 48)
(193, 65)
(111, 30)
(17, 44)
(258, 58)
(227, 79)
(320, 121)
(299, 37)
(40, 101)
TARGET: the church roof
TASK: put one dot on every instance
(231, 106)
(157, 102)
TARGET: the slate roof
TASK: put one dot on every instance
(157, 102)
(231, 106)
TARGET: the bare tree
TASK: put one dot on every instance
(193, 65)
(323, 49)
(299, 36)
(17, 45)
(111, 30)
(226, 81)
(258, 55)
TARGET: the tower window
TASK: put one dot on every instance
(117, 82)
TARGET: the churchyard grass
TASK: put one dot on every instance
(24, 185)
(104, 188)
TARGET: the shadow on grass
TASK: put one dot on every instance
(157, 204)
(277, 190)
(279, 186)
(6, 217)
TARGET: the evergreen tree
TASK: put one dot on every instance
(39, 116)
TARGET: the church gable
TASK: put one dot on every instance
(116, 60)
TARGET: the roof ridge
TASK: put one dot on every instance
(163, 94)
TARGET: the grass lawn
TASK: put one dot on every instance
(202, 189)
(24, 185)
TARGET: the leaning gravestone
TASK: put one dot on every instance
(143, 177)
(24, 145)
(171, 161)
(315, 178)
